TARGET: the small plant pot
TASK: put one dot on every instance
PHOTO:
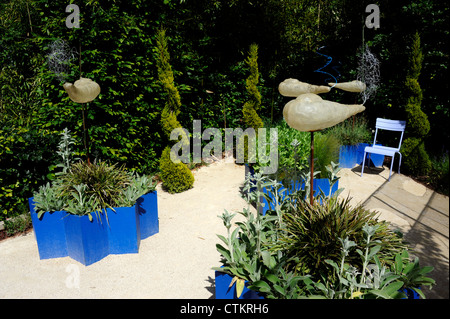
(224, 291)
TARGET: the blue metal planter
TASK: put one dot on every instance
(50, 235)
(224, 291)
(87, 241)
(376, 159)
(123, 230)
(320, 183)
(348, 156)
(147, 209)
(351, 155)
(60, 234)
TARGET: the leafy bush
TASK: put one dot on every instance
(439, 176)
(176, 177)
(25, 157)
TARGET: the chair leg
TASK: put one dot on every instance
(364, 160)
(390, 171)
(400, 162)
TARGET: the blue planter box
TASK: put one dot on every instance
(224, 291)
(87, 242)
(351, 155)
(50, 235)
(320, 183)
(147, 209)
(410, 293)
(123, 230)
(61, 234)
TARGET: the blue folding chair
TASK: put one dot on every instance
(389, 125)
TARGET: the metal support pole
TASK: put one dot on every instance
(311, 197)
(86, 132)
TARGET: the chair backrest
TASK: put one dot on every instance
(390, 125)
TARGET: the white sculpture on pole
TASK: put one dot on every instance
(309, 112)
(294, 88)
(83, 90)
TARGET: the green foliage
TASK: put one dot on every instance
(17, 224)
(25, 157)
(312, 233)
(176, 177)
(259, 249)
(102, 181)
(89, 188)
(416, 160)
(439, 174)
(251, 117)
(351, 132)
(47, 199)
(326, 151)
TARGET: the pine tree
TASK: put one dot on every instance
(176, 177)
(416, 159)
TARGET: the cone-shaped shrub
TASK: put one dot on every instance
(175, 177)
(416, 159)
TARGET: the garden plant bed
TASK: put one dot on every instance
(185, 243)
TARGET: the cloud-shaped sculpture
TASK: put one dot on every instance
(353, 86)
(83, 90)
(309, 112)
(294, 88)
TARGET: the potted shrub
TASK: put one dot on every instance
(353, 136)
(92, 210)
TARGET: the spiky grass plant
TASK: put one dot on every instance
(105, 182)
(312, 234)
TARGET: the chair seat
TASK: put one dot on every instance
(382, 150)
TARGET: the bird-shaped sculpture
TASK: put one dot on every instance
(83, 90)
(309, 112)
(353, 86)
(294, 88)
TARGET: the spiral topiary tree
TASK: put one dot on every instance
(250, 108)
(176, 177)
(416, 159)
(249, 111)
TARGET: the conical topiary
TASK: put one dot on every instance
(176, 177)
(416, 160)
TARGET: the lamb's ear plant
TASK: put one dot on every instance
(65, 151)
(47, 199)
(139, 186)
(83, 203)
